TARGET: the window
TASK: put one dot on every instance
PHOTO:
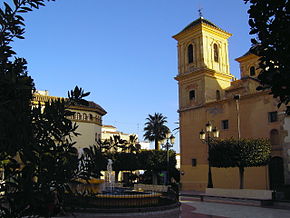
(215, 52)
(272, 116)
(96, 137)
(193, 162)
(192, 95)
(218, 95)
(79, 116)
(225, 124)
(252, 71)
(90, 116)
(85, 116)
(190, 53)
(274, 137)
(98, 119)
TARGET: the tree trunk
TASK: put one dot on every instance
(241, 170)
(157, 147)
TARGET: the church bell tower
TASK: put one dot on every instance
(203, 63)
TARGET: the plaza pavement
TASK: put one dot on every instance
(219, 208)
(198, 209)
(192, 207)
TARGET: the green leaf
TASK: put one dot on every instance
(26, 9)
(16, 3)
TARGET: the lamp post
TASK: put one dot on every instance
(237, 99)
(168, 144)
(206, 138)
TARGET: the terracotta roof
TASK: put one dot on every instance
(110, 126)
(239, 83)
(111, 132)
(235, 85)
(250, 51)
(45, 98)
(95, 106)
(115, 133)
(200, 21)
(247, 53)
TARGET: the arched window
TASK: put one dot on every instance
(97, 118)
(79, 116)
(192, 95)
(96, 137)
(85, 116)
(190, 53)
(215, 52)
(218, 95)
(252, 71)
(274, 137)
(90, 116)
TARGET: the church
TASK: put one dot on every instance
(209, 93)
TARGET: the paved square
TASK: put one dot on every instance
(193, 208)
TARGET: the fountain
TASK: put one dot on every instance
(115, 196)
(103, 194)
(109, 178)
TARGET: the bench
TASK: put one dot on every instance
(263, 196)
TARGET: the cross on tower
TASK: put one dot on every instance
(200, 12)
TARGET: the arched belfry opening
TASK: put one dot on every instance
(190, 53)
(215, 52)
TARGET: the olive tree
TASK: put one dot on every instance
(241, 153)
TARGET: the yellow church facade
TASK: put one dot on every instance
(209, 93)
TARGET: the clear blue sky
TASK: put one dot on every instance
(122, 51)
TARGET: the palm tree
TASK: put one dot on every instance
(132, 145)
(155, 129)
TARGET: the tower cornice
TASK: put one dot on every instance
(204, 72)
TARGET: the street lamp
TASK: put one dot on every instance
(206, 138)
(237, 99)
(168, 143)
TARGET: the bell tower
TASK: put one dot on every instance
(203, 63)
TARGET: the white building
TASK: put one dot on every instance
(109, 131)
(88, 118)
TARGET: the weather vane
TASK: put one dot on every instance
(200, 12)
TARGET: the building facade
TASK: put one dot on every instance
(109, 131)
(88, 118)
(208, 92)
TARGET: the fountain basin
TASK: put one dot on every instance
(145, 195)
(119, 198)
(122, 197)
(126, 200)
(91, 186)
